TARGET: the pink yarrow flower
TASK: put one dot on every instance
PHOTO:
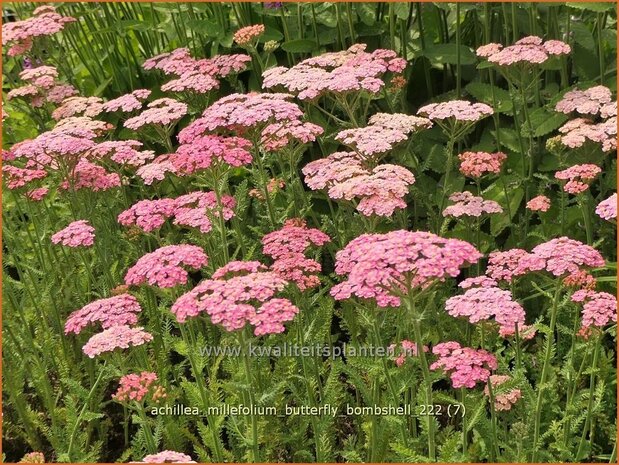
(376, 265)
(528, 51)
(476, 164)
(116, 337)
(503, 400)
(575, 133)
(607, 209)
(458, 110)
(237, 294)
(466, 204)
(128, 102)
(406, 349)
(585, 102)
(137, 387)
(248, 34)
(540, 203)
(164, 266)
(210, 152)
(599, 308)
(466, 366)
(163, 111)
(578, 177)
(564, 255)
(77, 234)
(122, 309)
(167, 456)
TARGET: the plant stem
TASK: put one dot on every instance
(589, 420)
(250, 392)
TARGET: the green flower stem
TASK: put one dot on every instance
(265, 184)
(545, 369)
(495, 453)
(248, 371)
(589, 420)
(426, 375)
(151, 444)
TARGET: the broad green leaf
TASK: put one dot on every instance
(366, 13)
(598, 7)
(483, 93)
(448, 53)
(543, 122)
(299, 46)
(583, 36)
(498, 222)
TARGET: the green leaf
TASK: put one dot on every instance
(300, 46)
(583, 36)
(501, 221)
(598, 7)
(544, 122)
(483, 93)
(448, 53)
(207, 27)
(366, 13)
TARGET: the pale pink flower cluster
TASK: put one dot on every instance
(406, 349)
(458, 110)
(476, 164)
(20, 34)
(578, 177)
(351, 70)
(531, 50)
(376, 265)
(118, 310)
(116, 337)
(246, 35)
(541, 203)
(128, 102)
(380, 190)
(467, 366)
(276, 136)
(82, 106)
(199, 76)
(242, 112)
(607, 209)
(239, 293)
(164, 266)
(41, 87)
(558, 256)
(592, 101)
(123, 152)
(167, 456)
(466, 204)
(382, 134)
(164, 111)
(155, 171)
(487, 301)
(599, 308)
(76, 234)
(196, 209)
(136, 387)
(33, 457)
(287, 247)
(503, 401)
(575, 133)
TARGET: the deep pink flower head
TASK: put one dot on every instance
(607, 209)
(116, 337)
(148, 215)
(406, 349)
(506, 265)
(374, 264)
(585, 102)
(503, 400)
(541, 203)
(347, 71)
(294, 237)
(37, 194)
(237, 294)
(118, 310)
(564, 255)
(246, 35)
(197, 209)
(581, 279)
(167, 456)
(242, 112)
(459, 110)
(578, 177)
(210, 152)
(466, 204)
(77, 234)
(136, 387)
(599, 308)
(467, 366)
(575, 133)
(87, 175)
(17, 177)
(164, 266)
(476, 164)
(163, 111)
